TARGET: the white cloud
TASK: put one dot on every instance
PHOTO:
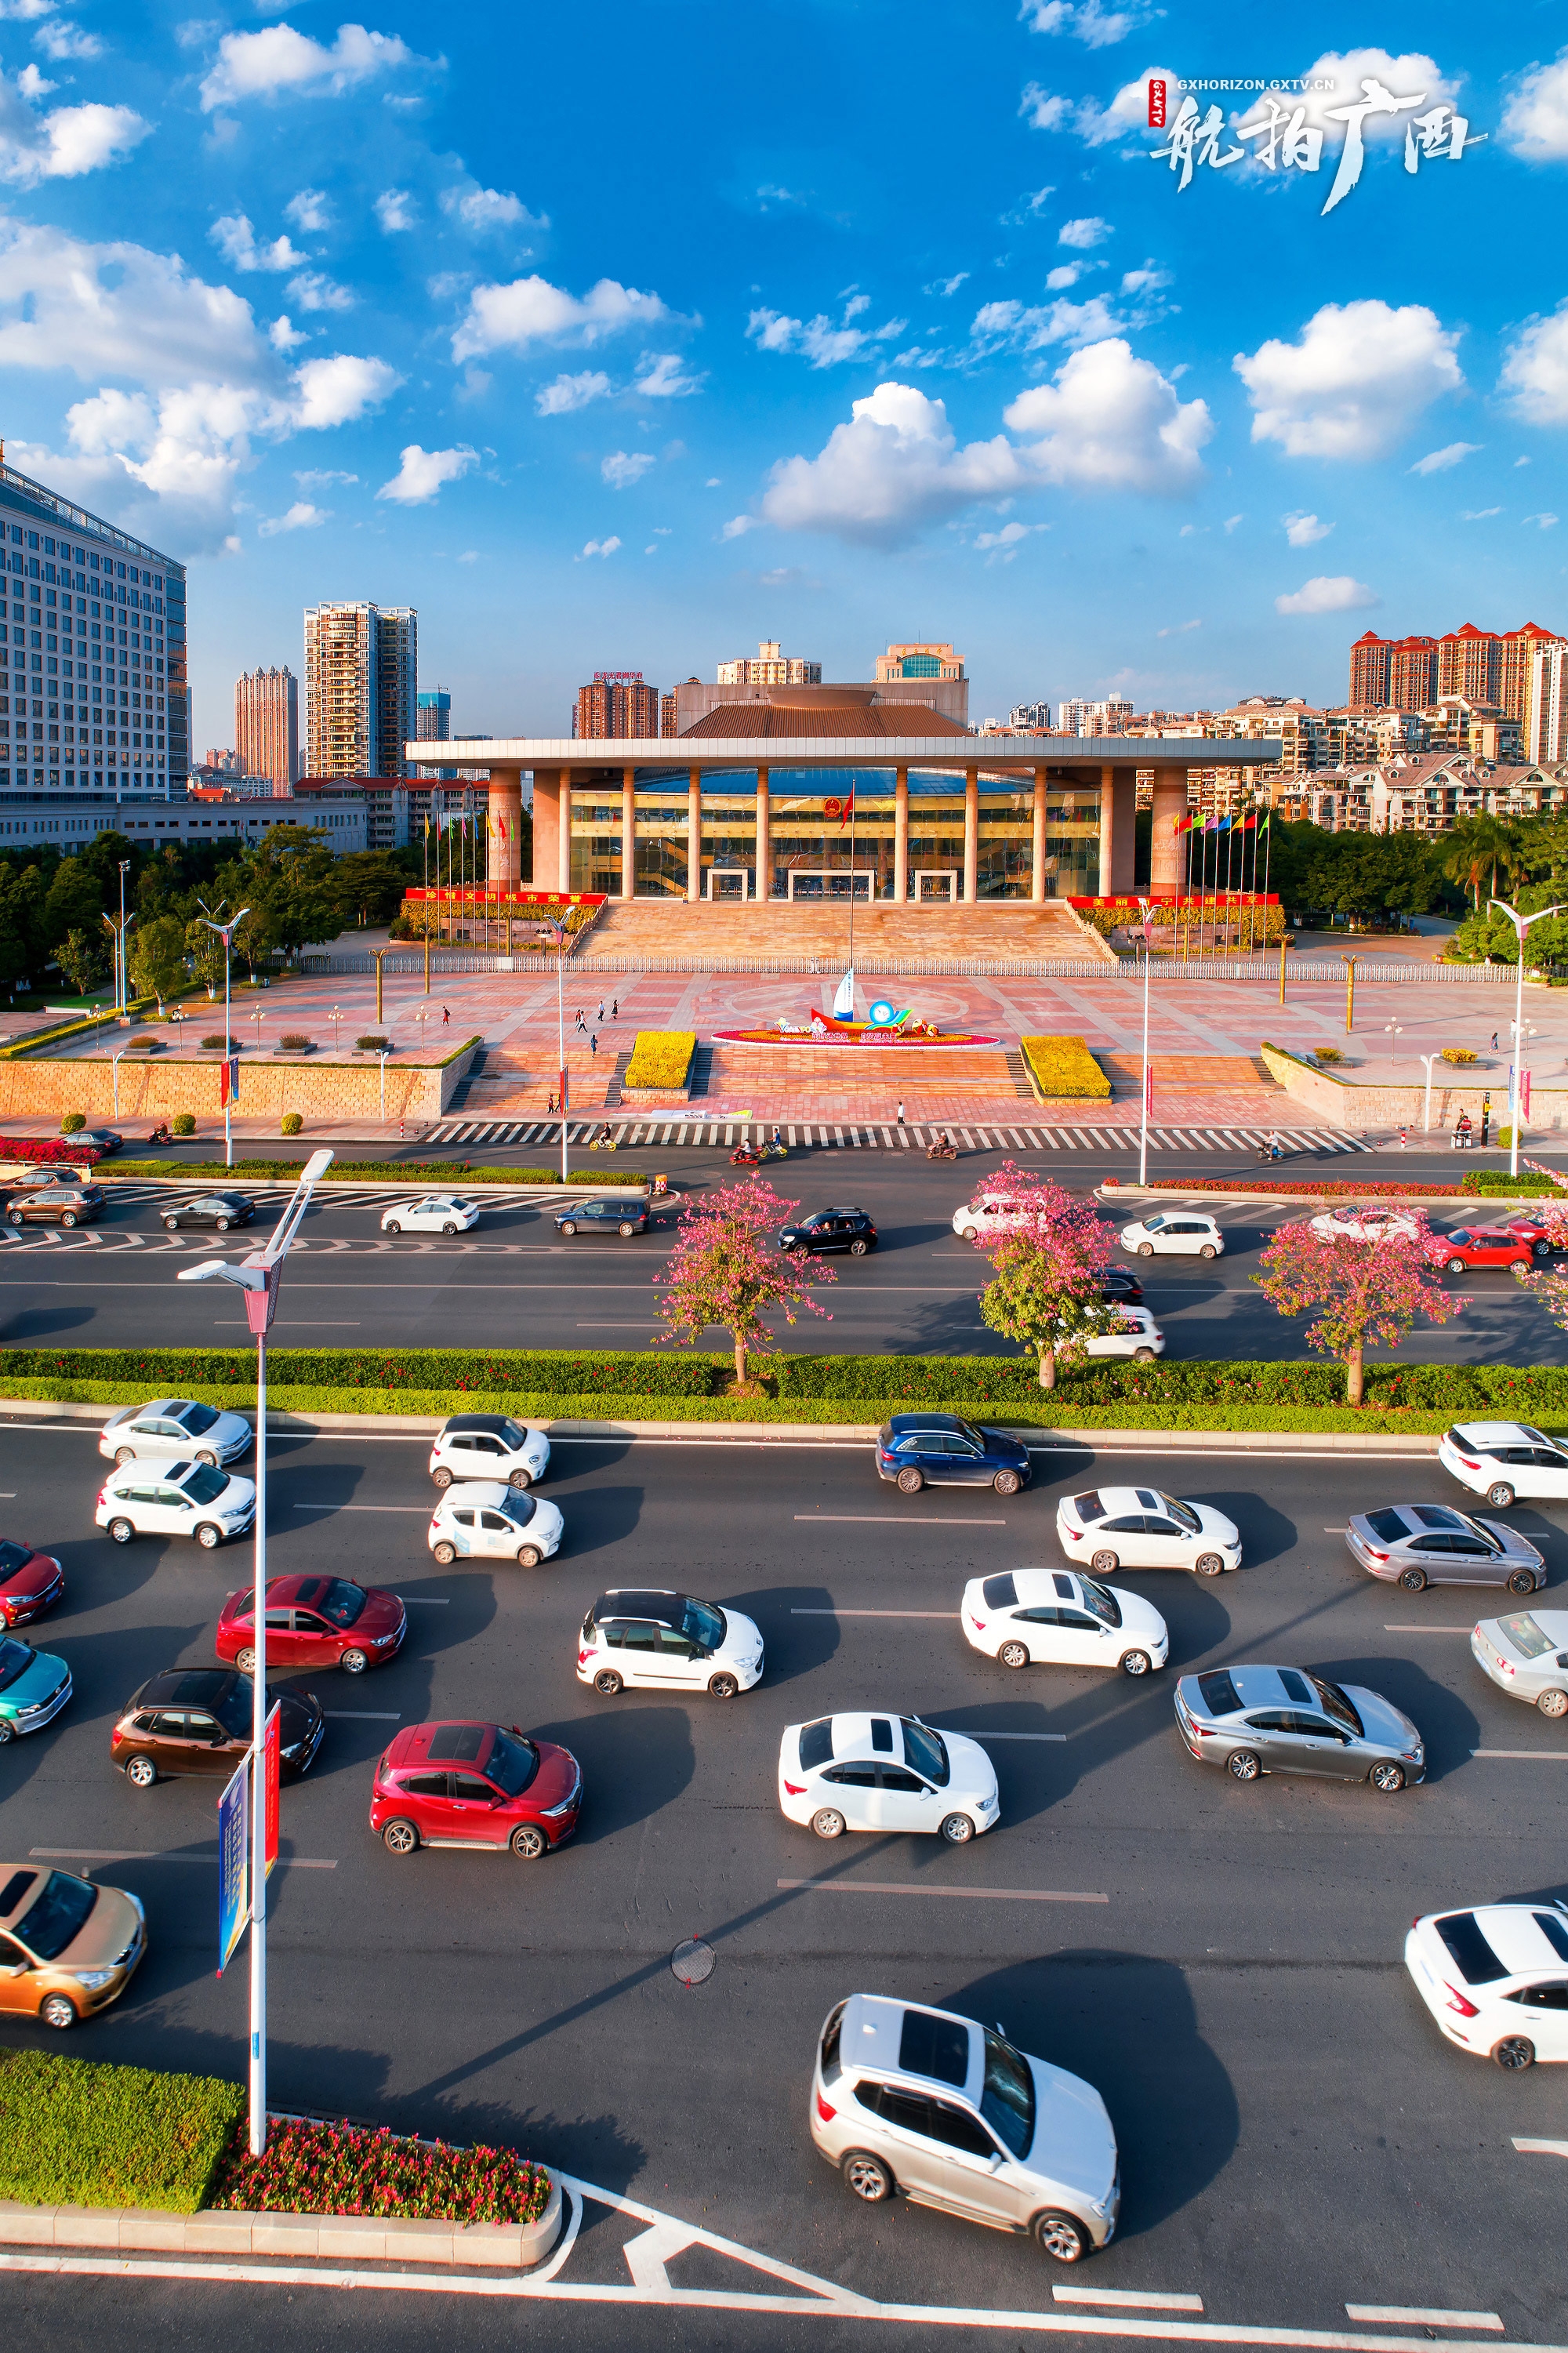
(314, 292)
(1305, 530)
(1027, 209)
(942, 287)
(322, 479)
(1112, 422)
(1003, 545)
(1478, 514)
(1343, 73)
(468, 555)
(339, 391)
(301, 516)
(308, 211)
(1323, 594)
(118, 310)
(396, 210)
(32, 85)
(820, 342)
(896, 465)
(1147, 280)
(1083, 235)
(1016, 326)
(531, 311)
(621, 470)
(235, 240)
(1127, 111)
(1041, 111)
(1353, 382)
(1438, 461)
(262, 65)
(1231, 522)
(1545, 522)
(1520, 462)
(60, 40)
(661, 375)
(423, 472)
(1534, 379)
(599, 547)
(738, 526)
(64, 144)
(1058, 281)
(1179, 629)
(1535, 120)
(283, 335)
(483, 209)
(569, 391)
(1096, 28)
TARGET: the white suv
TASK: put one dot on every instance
(176, 1499)
(492, 1523)
(1500, 1460)
(489, 1446)
(668, 1642)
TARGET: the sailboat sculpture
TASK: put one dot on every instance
(844, 1003)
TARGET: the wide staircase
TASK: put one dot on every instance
(729, 935)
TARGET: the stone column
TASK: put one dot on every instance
(764, 851)
(1107, 830)
(694, 836)
(971, 836)
(1165, 850)
(564, 836)
(1037, 890)
(900, 836)
(546, 829)
(1124, 829)
(505, 812)
(628, 834)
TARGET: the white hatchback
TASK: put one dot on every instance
(885, 1773)
(176, 1499)
(172, 1427)
(977, 1221)
(489, 1446)
(644, 1641)
(1500, 1460)
(1134, 1333)
(1055, 1617)
(480, 1522)
(1176, 1233)
(1143, 1527)
(1496, 1980)
(1526, 1655)
(1368, 1223)
(433, 1213)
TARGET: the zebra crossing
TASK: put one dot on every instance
(820, 1135)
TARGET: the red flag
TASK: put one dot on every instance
(229, 1082)
(847, 811)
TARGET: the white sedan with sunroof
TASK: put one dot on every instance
(1055, 1617)
(1526, 1655)
(1109, 1528)
(1496, 1980)
(885, 1773)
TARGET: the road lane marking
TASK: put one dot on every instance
(1540, 1756)
(889, 1519)
(363, 1715)
(1542, 2147)
(1336, 1532)
(911, 1887)
(421, 1511)
(1413, 1629)
(877, 1613)
(1128, 2297)
(1007, 1735)
(1422, 2316)
(161, 1854)
(427, 1600)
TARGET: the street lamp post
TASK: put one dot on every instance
(554, 928)
(225, 932)
(124, 1050)
(383, 1088)
(124, 980)
(258, 1276)
(1426, 1121)
(1521, 925)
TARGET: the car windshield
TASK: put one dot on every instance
(967, 1429)
(1182, 1514)
(1153, 1225)
(520, 1509)
(341, 1602)
(13, 1556)
(1008, 2095)
(1525, 1635)
(233, 1711)
(702, 1623)
(925, 1750)
(513, 1436)
(1336, 1706)
(512, 1762)
(56, 1916)
(1101, 1601)
(204, 1484)
(197, 1420)
(15, 1658)
(1089, 1506)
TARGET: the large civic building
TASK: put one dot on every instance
(94, 699)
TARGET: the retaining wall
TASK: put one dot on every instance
(1349, 1103)
(42, 1087)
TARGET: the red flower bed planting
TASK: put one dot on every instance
(339, 2169)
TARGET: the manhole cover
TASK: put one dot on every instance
(692, 1962)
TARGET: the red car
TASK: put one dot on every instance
(1542, 1239)
(1480, 1246)
(466, 1784)
(30, 1583)
(314, 1621)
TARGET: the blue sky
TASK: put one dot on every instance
(623, 338)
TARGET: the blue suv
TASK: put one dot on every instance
(918, 1450)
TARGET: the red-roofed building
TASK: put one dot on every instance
(1469, 663)
(1369, 672)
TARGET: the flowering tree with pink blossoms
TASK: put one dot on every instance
(1363, 1290)
(727, 1267)
(1050, 1252)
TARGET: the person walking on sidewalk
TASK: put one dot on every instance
(900, 1115)
(446, 1017)
(593, 1041)
(599, 1017)
(614, 1008)
(578, 1022)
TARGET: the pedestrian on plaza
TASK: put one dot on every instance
(593, 1041)
(614, 1008)
(550, 1105)
(1494, 1041)
(900, 1115)
(599, 1017)
(578, 1021)
(446, 1016)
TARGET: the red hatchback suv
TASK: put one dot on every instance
(314, 1621)
(480, 1785)
(30, 1583)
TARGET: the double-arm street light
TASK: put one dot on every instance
(1521, 925)
(257, 1277)
(225, 932)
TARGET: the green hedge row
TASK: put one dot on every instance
(389, 1371)
(1497, 1180)
(412, 1173)
(1520, 1392)
(75, 2132)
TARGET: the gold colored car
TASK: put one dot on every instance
(66, 1947)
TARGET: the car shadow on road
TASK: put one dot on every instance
(1266, 1534)
(637, 1758)
(1445, 1721)
(45, 1322)
(599, 1518)
(799, 1628)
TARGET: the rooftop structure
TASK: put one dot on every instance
(772, 668)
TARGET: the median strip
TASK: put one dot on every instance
(874, 1613)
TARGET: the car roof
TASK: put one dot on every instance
(1125, 1499)
(1553, 1624)
(1254, 1686)
(495, 1423)
(1033, 1584)
(1512, 1931)
(901, 1421)
(469, 1491)
(640, 1601)
(872, 2029)
(1493, 1433)
(186, 1687)
(449, 1740)
(851, 1737)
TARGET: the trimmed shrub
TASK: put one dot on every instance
(617, 1372)
(73, 1122)
(1458, 1054)
(1518, 1392)
(290, 1123)
(660, 1058)
(1344, 1188)
(1331, 1055)
(75, 2132)
(1497, 1180)
(214, 1044)
(374, 1044)
(1063, 1067)
(185, 1123)
(399, 1172)
(343, 2168)
(294, 1042)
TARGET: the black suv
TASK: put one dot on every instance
(219, 1209)
(832, 1230)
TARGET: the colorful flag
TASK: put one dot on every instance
(847, 811)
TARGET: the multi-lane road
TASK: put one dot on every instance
(1298, 2144)
(514, 1282)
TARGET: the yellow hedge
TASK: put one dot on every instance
(1063, 1067)
(660, 1058)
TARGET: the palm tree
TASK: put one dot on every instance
(1482, 843)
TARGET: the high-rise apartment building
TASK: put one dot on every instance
(617, 704)
(1033, 718)
(266, 725)
(1470, 662)
(1369, 658)
(1413, 673)
(1107, 718)
(771, 668)
(1514, 670)
(919, 661)
(361, 685)
(96, 698)
(1546, 708)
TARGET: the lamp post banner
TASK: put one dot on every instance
(233, 1863)
(271, 1760)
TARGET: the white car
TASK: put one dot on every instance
(175, 1499)
(433, 1213)
(489, 1446)
(1496, 1980)
(646, 1640)
(885, 1773)
(1051, 1615)
(1526, 1655)
(1143, 1527)
(1500, 1460)
(1134, 1333)
(479, 1521)
(1366, 1223)
(172, 1427)
(978, 1221)
(1175, 1234)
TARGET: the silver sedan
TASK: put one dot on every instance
(1256, 1720)
(1417, 1545)
(1526, 1655)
